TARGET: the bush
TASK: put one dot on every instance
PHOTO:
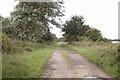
(16, 46)
(8, 45)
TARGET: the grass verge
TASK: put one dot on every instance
(0, 65)
(27, 64)
(65, 54)
(104, 55)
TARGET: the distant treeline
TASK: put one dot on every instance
(114, 39)
(75, 29)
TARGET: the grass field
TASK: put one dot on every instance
(27, 64)
(0, 65)
(102, 54)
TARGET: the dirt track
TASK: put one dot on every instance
(77, 67)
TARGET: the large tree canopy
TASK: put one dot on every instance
(1, 18)
(30, 20)
(38, 11)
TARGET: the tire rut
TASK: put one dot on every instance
(79, 67)
(83, 68)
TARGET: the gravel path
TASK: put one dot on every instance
(78, 67)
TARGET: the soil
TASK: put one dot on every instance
(77, 67)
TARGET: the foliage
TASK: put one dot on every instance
(118, 59)
(30, 20)
(103, 54)
(74, 28)
(7, 44)
(10, 46)
(5, 23)
(27, 65)
(93, 34)
(1, 18)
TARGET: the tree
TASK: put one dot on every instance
(1, 18)
(30, 20)
(74, 28)
(6, 23)
(93, 34)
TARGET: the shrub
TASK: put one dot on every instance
(8, 45)
(16, 46)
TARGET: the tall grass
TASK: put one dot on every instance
(103, 54)
(12, 46)
(28, 64)
(0, 65)
(65, 54)
(24, 59)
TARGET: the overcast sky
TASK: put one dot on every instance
(101, 14)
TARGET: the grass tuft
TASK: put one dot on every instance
(27, 64)
(104, 55)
